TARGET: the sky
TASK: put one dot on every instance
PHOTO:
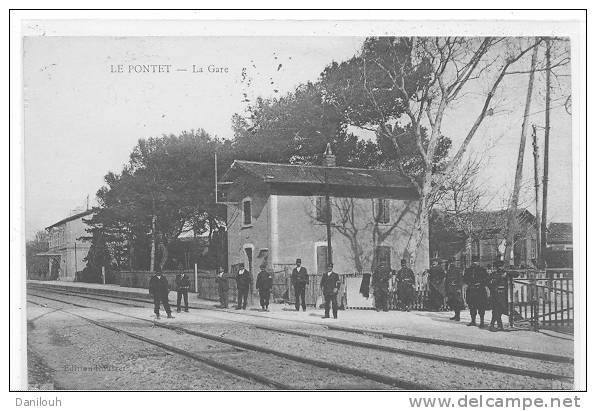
(86, 106)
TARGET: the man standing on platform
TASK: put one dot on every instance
(222, 287)
(330, 287)
(405, 285)
(299, 280)
(380, 284)
(499, 302)
(436, 282)
(264, 284)
(182, 287)
(243, 281)
(476, 279)
(159, 290)
(453, 285)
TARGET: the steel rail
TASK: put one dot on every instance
(225, 367)
(435, 357)
(396, 336)
(384, 379)
(379, 347)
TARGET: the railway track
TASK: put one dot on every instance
(170, 348)
(395, 336)
(389, 381)
(379, 347)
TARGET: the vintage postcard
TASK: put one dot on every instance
(303, 205)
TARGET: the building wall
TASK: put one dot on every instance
(297, 233)
(62, 240)
(525, 249)
(254, 236)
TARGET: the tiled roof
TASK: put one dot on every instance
(491, 221)
(496, 220)
(560, 233)
(71, 218)
(307, 174)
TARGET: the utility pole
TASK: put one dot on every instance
(512, 218)
(328, 220)
(329, 161)
(536, 196)
(153, 239)
(545, 168)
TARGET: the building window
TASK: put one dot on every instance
(247, 212)
(533, 248)
(321, 210)
(381, 211)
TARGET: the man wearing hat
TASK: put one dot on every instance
(436, 281)
(159, 290)
(453, 285)
(330, 287)
(222, 287)
(264, 284)
(182, 287)
(476, 279)
(299, 279)
(405, 285)
(243, 282)
(380, 284)
(497, 285)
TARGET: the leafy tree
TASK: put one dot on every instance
(296, 128)
(169, 179)
(37, 267)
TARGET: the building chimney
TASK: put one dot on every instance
(328, 157)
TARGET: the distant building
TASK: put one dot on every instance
(483, 234)
(559, 236)
(559, 245)
(277, 213)
(66, 248)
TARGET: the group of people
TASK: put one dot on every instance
(159, 290)
(299, 278)
(445, 284)
(482, 291)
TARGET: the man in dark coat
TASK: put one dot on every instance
(476, 279)
(498, 284)
(159, 290)
(264, 284)
(182, 287)
(453, 285)
(299, 279)
(243, 282)
(436, 282)
(222, 287)
(405, 285)
(330, 286)
(380, 284)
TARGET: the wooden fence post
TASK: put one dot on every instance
(196, 279)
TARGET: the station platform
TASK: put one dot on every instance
(417, 323)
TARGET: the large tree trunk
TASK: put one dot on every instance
(512, 215)
(163, 248)
(420, 224)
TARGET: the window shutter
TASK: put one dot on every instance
(247, 212)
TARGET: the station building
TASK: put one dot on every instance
(277, 213)
(66, 248)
